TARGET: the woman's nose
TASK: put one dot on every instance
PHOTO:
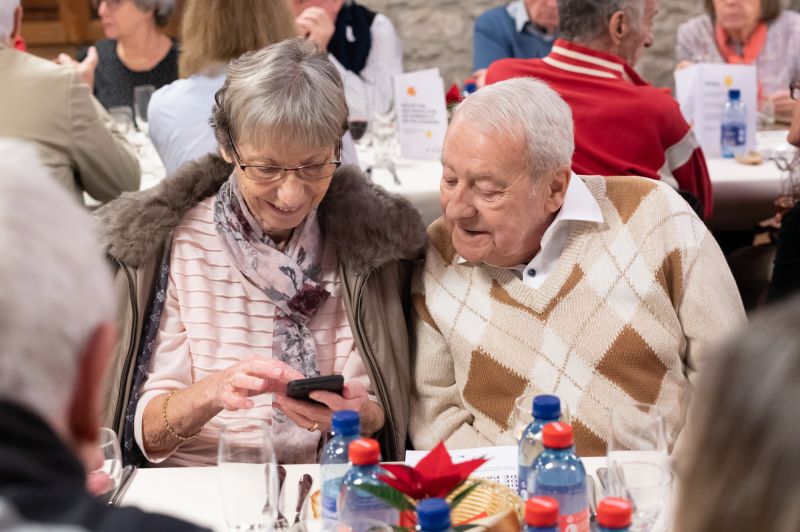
(292, 192)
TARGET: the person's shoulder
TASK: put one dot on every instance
(507, 68)
(106, 48)
(788, 19)
(29, 66)
(698, 24)
(493, 17)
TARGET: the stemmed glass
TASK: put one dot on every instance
(104, 480)
(522, 415)
(248, 475)
(141, 100)
(638, 462)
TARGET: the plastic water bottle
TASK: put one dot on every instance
(614, 514)
(558, 473)
(335, 463)
(541, 514)
(469, 87)
(546, 409)
(433, 515)
(359, 509)
(734, 125)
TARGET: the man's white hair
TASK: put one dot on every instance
(530, 109)
(7, 8)
(55, 286)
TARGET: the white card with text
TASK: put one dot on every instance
(501, 467)
(421, 113)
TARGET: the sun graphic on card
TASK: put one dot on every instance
(429, 134)
(728, 81)
(411, 91)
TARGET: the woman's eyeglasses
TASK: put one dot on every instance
(310, 173)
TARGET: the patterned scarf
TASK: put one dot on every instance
(750, 51)
(288, 280)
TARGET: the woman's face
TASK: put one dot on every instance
(280, 206)
(121, 18)
(735, 15)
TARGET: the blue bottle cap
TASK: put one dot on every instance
(546, 407)
(346, 423)
(734, 94)
(433, 514)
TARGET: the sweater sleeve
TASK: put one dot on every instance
(711, 308)
(488, 42)
(437, 412)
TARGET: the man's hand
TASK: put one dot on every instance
(783, 104)
(85, 68)
(314, 24)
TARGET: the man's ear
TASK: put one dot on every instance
(16, 31)
(84, 408)
(618, 28)
(557, 190)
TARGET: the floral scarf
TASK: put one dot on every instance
(288, 279)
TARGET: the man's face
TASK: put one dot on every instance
(495, 214)
(735, 15)
(641, 35)
(543, 13)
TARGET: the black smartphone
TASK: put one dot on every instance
(300, 388)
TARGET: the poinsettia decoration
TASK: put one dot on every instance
(434, 476)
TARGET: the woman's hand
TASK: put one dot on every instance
(85, 68)
(354, 397)
(252, 376)
(783, 105)
(314, 24)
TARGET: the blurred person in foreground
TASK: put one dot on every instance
(749, 32)
(213, 33)
(49, 106)
(56, 335)
(740, 467)
(522, 29)
(623, 125)
(135, 52)
(362, 44)
(263, 266)
(600, 290)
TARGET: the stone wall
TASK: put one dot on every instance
(439, 33)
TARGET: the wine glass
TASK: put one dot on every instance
(357, 121)
(122, 116)
(638, 462)
(141, 100)
(104, 480)
(248, 475)
(522, 415)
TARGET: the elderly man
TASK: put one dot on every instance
(521, 29)
(56, 333)
(50, 106)
(599, 290)
(623, 126)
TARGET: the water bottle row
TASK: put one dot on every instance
(542, 515)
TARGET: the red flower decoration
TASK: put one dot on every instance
(453, 95)
(434, 476)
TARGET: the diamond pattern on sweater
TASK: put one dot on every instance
(492, 388)
(670, 276)
(587, 443)
(627, 193)
(500, 294)
(633, 365)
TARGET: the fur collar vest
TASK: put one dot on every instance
(369, 227)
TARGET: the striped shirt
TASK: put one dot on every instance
(777, 65)
(623, 125)
(214, 317)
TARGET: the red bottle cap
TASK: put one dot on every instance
(541, 511)
(364, 451)
(614, 512)
(557, 435)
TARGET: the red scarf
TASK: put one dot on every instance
(752, 47)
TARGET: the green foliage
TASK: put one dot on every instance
(393, 497)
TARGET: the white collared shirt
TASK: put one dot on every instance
(579, 205)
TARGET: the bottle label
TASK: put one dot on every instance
(734, 134)
(577, 522)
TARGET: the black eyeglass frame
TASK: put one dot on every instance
(285, 169)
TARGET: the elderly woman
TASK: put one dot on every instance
(213, 32)
(135, 52)
(748, 32)
(271, 265)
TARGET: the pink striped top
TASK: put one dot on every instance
(213, 317)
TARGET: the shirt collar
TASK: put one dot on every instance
(579, 205)
(522, 22)
(573, 57)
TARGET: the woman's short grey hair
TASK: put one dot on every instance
(55, 285)
(162, 9)
(586, 21)
(287, 93)
(530, 109)
(740, 466)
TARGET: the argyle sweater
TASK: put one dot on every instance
(631, 312)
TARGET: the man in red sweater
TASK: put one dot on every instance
(623, 125)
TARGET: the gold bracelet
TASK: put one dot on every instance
(166, 422)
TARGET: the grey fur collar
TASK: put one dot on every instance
(369, 227)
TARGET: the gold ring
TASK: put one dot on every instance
(314, 428)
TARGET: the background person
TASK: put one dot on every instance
(264, 267)
(56, 334)
(751, 32)
(135, 51)
(50, 107)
